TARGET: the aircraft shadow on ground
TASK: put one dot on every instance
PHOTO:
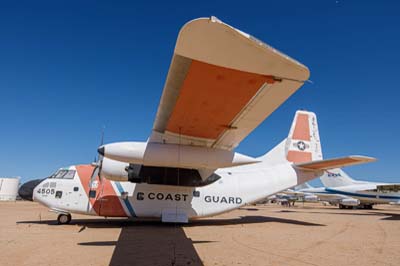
(152, 245)
(121, 222)
(155, 243)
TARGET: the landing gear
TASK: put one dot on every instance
(341, 206)
(64, 218)
(368, 206)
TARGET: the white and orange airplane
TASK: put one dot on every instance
(222, 83)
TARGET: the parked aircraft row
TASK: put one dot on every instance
(341, 190)
(222, 83)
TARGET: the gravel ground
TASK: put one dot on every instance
(309, 234)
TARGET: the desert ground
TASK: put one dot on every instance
(309, 234)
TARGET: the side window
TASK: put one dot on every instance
(58, 194)
(76, 189)
(124, 195)
(92, 193)
(196, 193)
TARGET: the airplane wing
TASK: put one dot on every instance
(222, 83)
(321, 193)
(293, 192)
(330, 197)
(334, 163)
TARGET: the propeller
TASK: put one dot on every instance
(97, 163)
(98, 158)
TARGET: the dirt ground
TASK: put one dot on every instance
(263, 235)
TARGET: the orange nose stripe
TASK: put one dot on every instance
(107, 202)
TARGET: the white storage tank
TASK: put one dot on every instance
(9, 188)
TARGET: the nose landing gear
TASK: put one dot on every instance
(64, 218)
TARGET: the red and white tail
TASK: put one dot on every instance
(303, 143)
(302, 147)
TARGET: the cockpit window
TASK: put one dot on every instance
(65, 174)
(70, 174)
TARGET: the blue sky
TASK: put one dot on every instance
(69, 67)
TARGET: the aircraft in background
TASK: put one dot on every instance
(346, 192)
(222, 83)
(313, 194)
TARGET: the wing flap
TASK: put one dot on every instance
(334, 163)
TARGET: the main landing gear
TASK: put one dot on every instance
(365, 206)
(64, 218)
(341, 206)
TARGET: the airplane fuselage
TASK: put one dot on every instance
(366, 193)
(235, 187)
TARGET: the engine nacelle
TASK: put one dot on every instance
(114, 170)
(350, 202)
(136, 173)
(172, 155)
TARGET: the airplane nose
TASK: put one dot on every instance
(26, 190)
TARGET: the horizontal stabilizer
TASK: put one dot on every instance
(334, 163)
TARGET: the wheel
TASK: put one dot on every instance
(341, 206)
(64, 218)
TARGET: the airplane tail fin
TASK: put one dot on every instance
(301, 145)
(336, 178)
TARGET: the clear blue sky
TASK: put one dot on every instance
(69, 67)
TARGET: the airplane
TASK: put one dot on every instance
(314, 194)
(337, 181)
(346, 192)
(222, 83)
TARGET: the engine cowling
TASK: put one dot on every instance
(114, 170)
(172, 155)
(350, 202)
(136, 173)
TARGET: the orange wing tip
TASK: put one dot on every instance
(335, 163)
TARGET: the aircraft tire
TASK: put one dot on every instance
(64, 218)
(341, 206)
